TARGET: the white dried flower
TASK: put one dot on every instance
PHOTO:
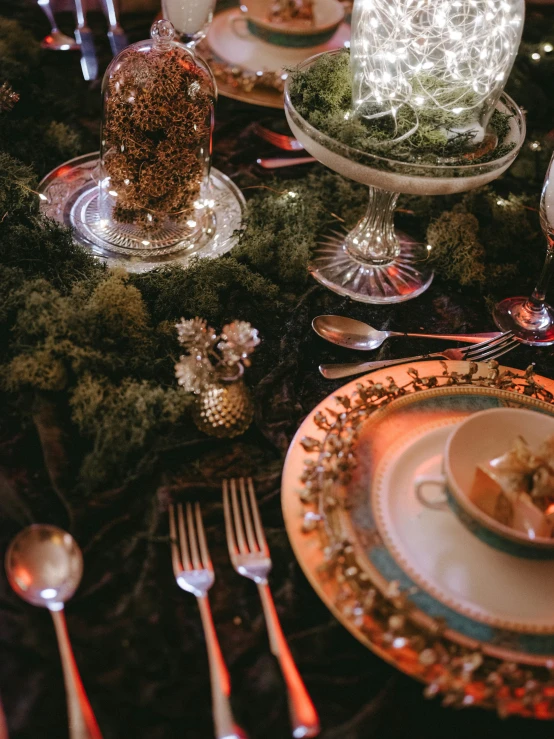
(239, 340)
(193, 373)
(196, 336)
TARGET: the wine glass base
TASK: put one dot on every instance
(532, 326)
(403, 278)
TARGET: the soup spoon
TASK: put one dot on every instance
(44, 566)
(353, 334)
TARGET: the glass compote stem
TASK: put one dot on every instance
(371, 263)
(532, 319)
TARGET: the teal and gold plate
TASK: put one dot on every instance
(413, 584)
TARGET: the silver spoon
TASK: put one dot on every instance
(56, 40)
(353, 334)
(44, 566)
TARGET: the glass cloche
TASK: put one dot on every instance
(156, 146)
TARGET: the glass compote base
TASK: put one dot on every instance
(374, 263)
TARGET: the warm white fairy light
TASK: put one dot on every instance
(453, 56)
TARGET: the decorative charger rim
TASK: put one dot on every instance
(464, 675)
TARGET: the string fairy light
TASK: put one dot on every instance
(446, 58)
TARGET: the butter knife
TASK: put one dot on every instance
(116, 34)
(83, 34)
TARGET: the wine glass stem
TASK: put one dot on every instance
(374, 240)
(539, 293)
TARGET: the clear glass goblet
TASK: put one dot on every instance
(191, 18)
(532, 319)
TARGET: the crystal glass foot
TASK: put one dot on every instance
(373, 263)
(532, 319)
(532, 323)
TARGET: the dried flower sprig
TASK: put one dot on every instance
(8, 97)
(211, 356)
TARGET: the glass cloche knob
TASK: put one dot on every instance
(162, 32)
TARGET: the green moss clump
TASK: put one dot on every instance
(479, 242)
(322, 94)
(125, 423)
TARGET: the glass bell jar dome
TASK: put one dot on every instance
(156, 147)
(433, 65)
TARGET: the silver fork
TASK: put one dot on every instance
(194, 573)
(486, 350)
(250, 557)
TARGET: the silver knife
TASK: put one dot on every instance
(116, 34)
(83, 34)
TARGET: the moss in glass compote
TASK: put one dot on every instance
(322, 95)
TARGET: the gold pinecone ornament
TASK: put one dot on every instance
(224, 409)
(213, 370)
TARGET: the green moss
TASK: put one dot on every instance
(322, 95)
(124, 423)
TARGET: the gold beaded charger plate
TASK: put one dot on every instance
(69, 195)
(410, 583)
(251, 70)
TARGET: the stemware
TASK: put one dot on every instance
(56, 40)
(191, 18)
(532, 319)
(44, 566)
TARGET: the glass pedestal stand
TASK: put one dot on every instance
(374, 263)
(70, 195)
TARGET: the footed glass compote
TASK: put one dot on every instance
(374, 263)
(532, 319)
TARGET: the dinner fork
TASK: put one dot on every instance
(486, 350)
(194, 573)
(250, 557)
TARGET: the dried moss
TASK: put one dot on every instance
(322, 94)
(486, 240)
(125, 423)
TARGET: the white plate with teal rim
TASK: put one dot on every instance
(249, 54)
(413, 584)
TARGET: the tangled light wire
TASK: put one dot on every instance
(449, 56)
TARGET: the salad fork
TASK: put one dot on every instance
(483, 352)
(250, 557)
(194, 573)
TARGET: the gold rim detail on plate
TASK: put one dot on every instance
(378, 613)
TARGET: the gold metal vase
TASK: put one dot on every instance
(224, 408)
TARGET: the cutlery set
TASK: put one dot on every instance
(44, 566)
(250, 557)
(352, 334)
(58, 41)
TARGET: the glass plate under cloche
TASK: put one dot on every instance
(71, 197)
